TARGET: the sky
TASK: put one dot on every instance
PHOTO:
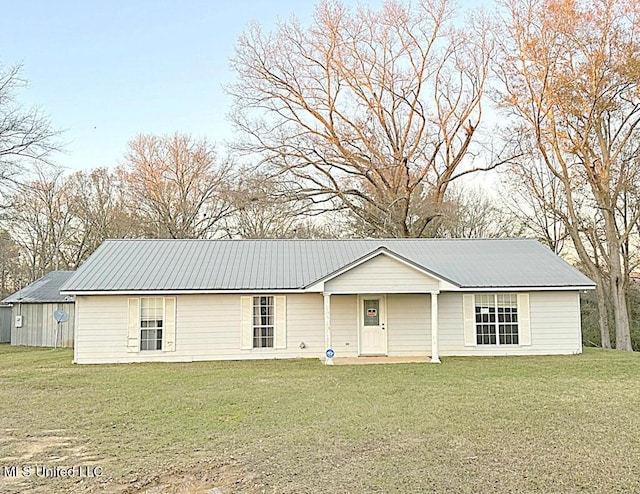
(106, 71)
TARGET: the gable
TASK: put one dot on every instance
(382, 274)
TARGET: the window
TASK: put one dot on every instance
(485, 320)
(151, 323)
(372, 312)
(496, 319)
(263, 322)
(507, 304)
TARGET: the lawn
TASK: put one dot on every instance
(508, 424)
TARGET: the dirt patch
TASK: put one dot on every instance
(56, 449)
(27, 463)
(204, 478)
(52, 446)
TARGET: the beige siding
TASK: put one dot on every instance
(39, 328)
(409, 325)
(344, 325)
(555, 326)
(305, 324)
(382, 274)
(450, 323)
(555, 321)
(207, 328)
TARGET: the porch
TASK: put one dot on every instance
(403, 327)
(370, 328)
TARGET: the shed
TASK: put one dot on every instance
(33, 310)
(186, 300)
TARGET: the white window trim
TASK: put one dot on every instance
(134, 338)
(469, 320)
(254, 326)
(162, 327)
(279, 322)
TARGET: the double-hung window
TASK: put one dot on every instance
(151, 323)
(496, 319)
(263, 322)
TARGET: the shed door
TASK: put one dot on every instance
(373, 325)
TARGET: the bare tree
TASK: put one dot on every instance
(570, 75)
(101, 209)
(263, 207)
(472, 213)
(177, 184)
(537, 201)
(40, 222)
(26, 135)
(9, 265)
(372, 112)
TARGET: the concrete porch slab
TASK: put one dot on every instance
(379, 360)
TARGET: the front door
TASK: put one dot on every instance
(373, 325)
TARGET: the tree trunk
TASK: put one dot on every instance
(603, 314)
(620, 313)
(618, 291)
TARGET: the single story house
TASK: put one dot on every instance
(34, 311)
(187, 300)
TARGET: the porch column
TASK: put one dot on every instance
(435, 352)
(327, 326)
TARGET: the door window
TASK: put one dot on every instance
(372, 312)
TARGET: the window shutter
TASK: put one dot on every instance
(524, 319)
(281, 321)
(169, 324)
(133, 325)
(246, 308)
(468, 313)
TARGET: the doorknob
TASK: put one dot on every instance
(383, 327)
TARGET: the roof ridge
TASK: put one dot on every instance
(392, 239)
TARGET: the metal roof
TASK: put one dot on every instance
(44, 290)
(192, 265)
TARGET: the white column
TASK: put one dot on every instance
(327, 326)
(435, 352)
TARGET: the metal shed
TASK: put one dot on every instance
(33, 309)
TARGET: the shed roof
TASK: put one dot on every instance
(44, 290)
(192, 265)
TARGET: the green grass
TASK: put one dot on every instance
(519, 424)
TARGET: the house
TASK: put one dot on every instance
(34, 309)
(187, 300)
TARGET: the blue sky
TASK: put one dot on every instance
(108, 70)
